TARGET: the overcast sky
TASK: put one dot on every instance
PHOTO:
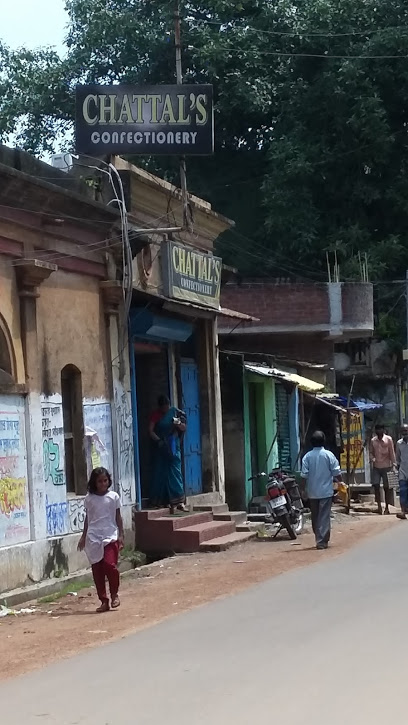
(33, 23)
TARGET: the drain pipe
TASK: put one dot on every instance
(135, 425)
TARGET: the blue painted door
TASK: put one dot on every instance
(192, 437)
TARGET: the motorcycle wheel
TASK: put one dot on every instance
(286, 523)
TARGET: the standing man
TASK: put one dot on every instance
(319, 468)
(382, 456)
(402, 463)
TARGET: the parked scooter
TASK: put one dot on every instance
(284, 502)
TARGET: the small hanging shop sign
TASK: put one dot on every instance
(191, 275)
(152, 120)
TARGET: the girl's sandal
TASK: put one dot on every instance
(115, 603)
(103, 608)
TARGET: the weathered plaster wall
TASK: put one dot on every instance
(10, 311)
(14, 501)
(71, 331)
(34, 561)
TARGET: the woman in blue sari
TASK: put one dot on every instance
(166, 430)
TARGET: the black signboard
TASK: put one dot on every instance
(144, 120)
(191, 275)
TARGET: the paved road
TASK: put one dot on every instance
(322, 645)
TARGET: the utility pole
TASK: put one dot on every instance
(179, 77)
(348, 449)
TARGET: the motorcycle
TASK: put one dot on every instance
(284, 502)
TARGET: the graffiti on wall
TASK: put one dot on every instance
(12, 495)
(76, 515)
(53, 442)
(124, 432)
(98, 435)
(54, 465)
(57, 515)
(14, 505)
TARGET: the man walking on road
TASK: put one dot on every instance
(382, 456)
(402, 463)
(319, 468)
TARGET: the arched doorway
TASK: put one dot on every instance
(7, 363)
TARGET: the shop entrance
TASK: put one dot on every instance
(253, 434)
(152, 380)
(283, 398)
(192, 437)
(319, 416)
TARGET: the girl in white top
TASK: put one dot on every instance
(102, 537)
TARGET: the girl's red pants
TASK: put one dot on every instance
(107, 569)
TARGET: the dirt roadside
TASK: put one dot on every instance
(69, 625)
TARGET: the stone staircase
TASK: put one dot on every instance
(205, 528)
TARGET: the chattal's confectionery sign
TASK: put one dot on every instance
(191, 275)
(175, 119)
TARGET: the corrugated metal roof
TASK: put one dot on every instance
(310, 386)
(225, 312)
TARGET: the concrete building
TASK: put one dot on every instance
(378, 377)
(175, 306)
(71, 395)
(299, 321)
(273, 368)
(63, 405)
(174, 351)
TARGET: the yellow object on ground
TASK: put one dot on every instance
(342, 492)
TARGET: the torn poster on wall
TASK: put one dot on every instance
(98, 435)
(14, 503)
(54, 465)
(124, 433)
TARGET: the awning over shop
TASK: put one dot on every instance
(305, 384)
(367, 405)
(145, 325)
(362, 405)
(225, 312)
(326, 399)
(203, 311)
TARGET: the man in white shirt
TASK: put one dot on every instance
(319, 468)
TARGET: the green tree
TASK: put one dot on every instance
(311, 117)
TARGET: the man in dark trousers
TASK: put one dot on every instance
(320, 467)
(382, 456)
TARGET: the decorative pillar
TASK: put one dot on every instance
(30, 275)
(112, 296)
(218, 411)
(210, 388)
(122, 419)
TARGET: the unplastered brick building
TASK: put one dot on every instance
(300, 321)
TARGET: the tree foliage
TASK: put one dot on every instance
(311, 117)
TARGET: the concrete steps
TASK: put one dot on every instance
(238, 517)
(173, 523)
(222, 543)
(158, 532)
(218, 508)
(190, 538)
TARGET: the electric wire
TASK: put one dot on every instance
(304, 33)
